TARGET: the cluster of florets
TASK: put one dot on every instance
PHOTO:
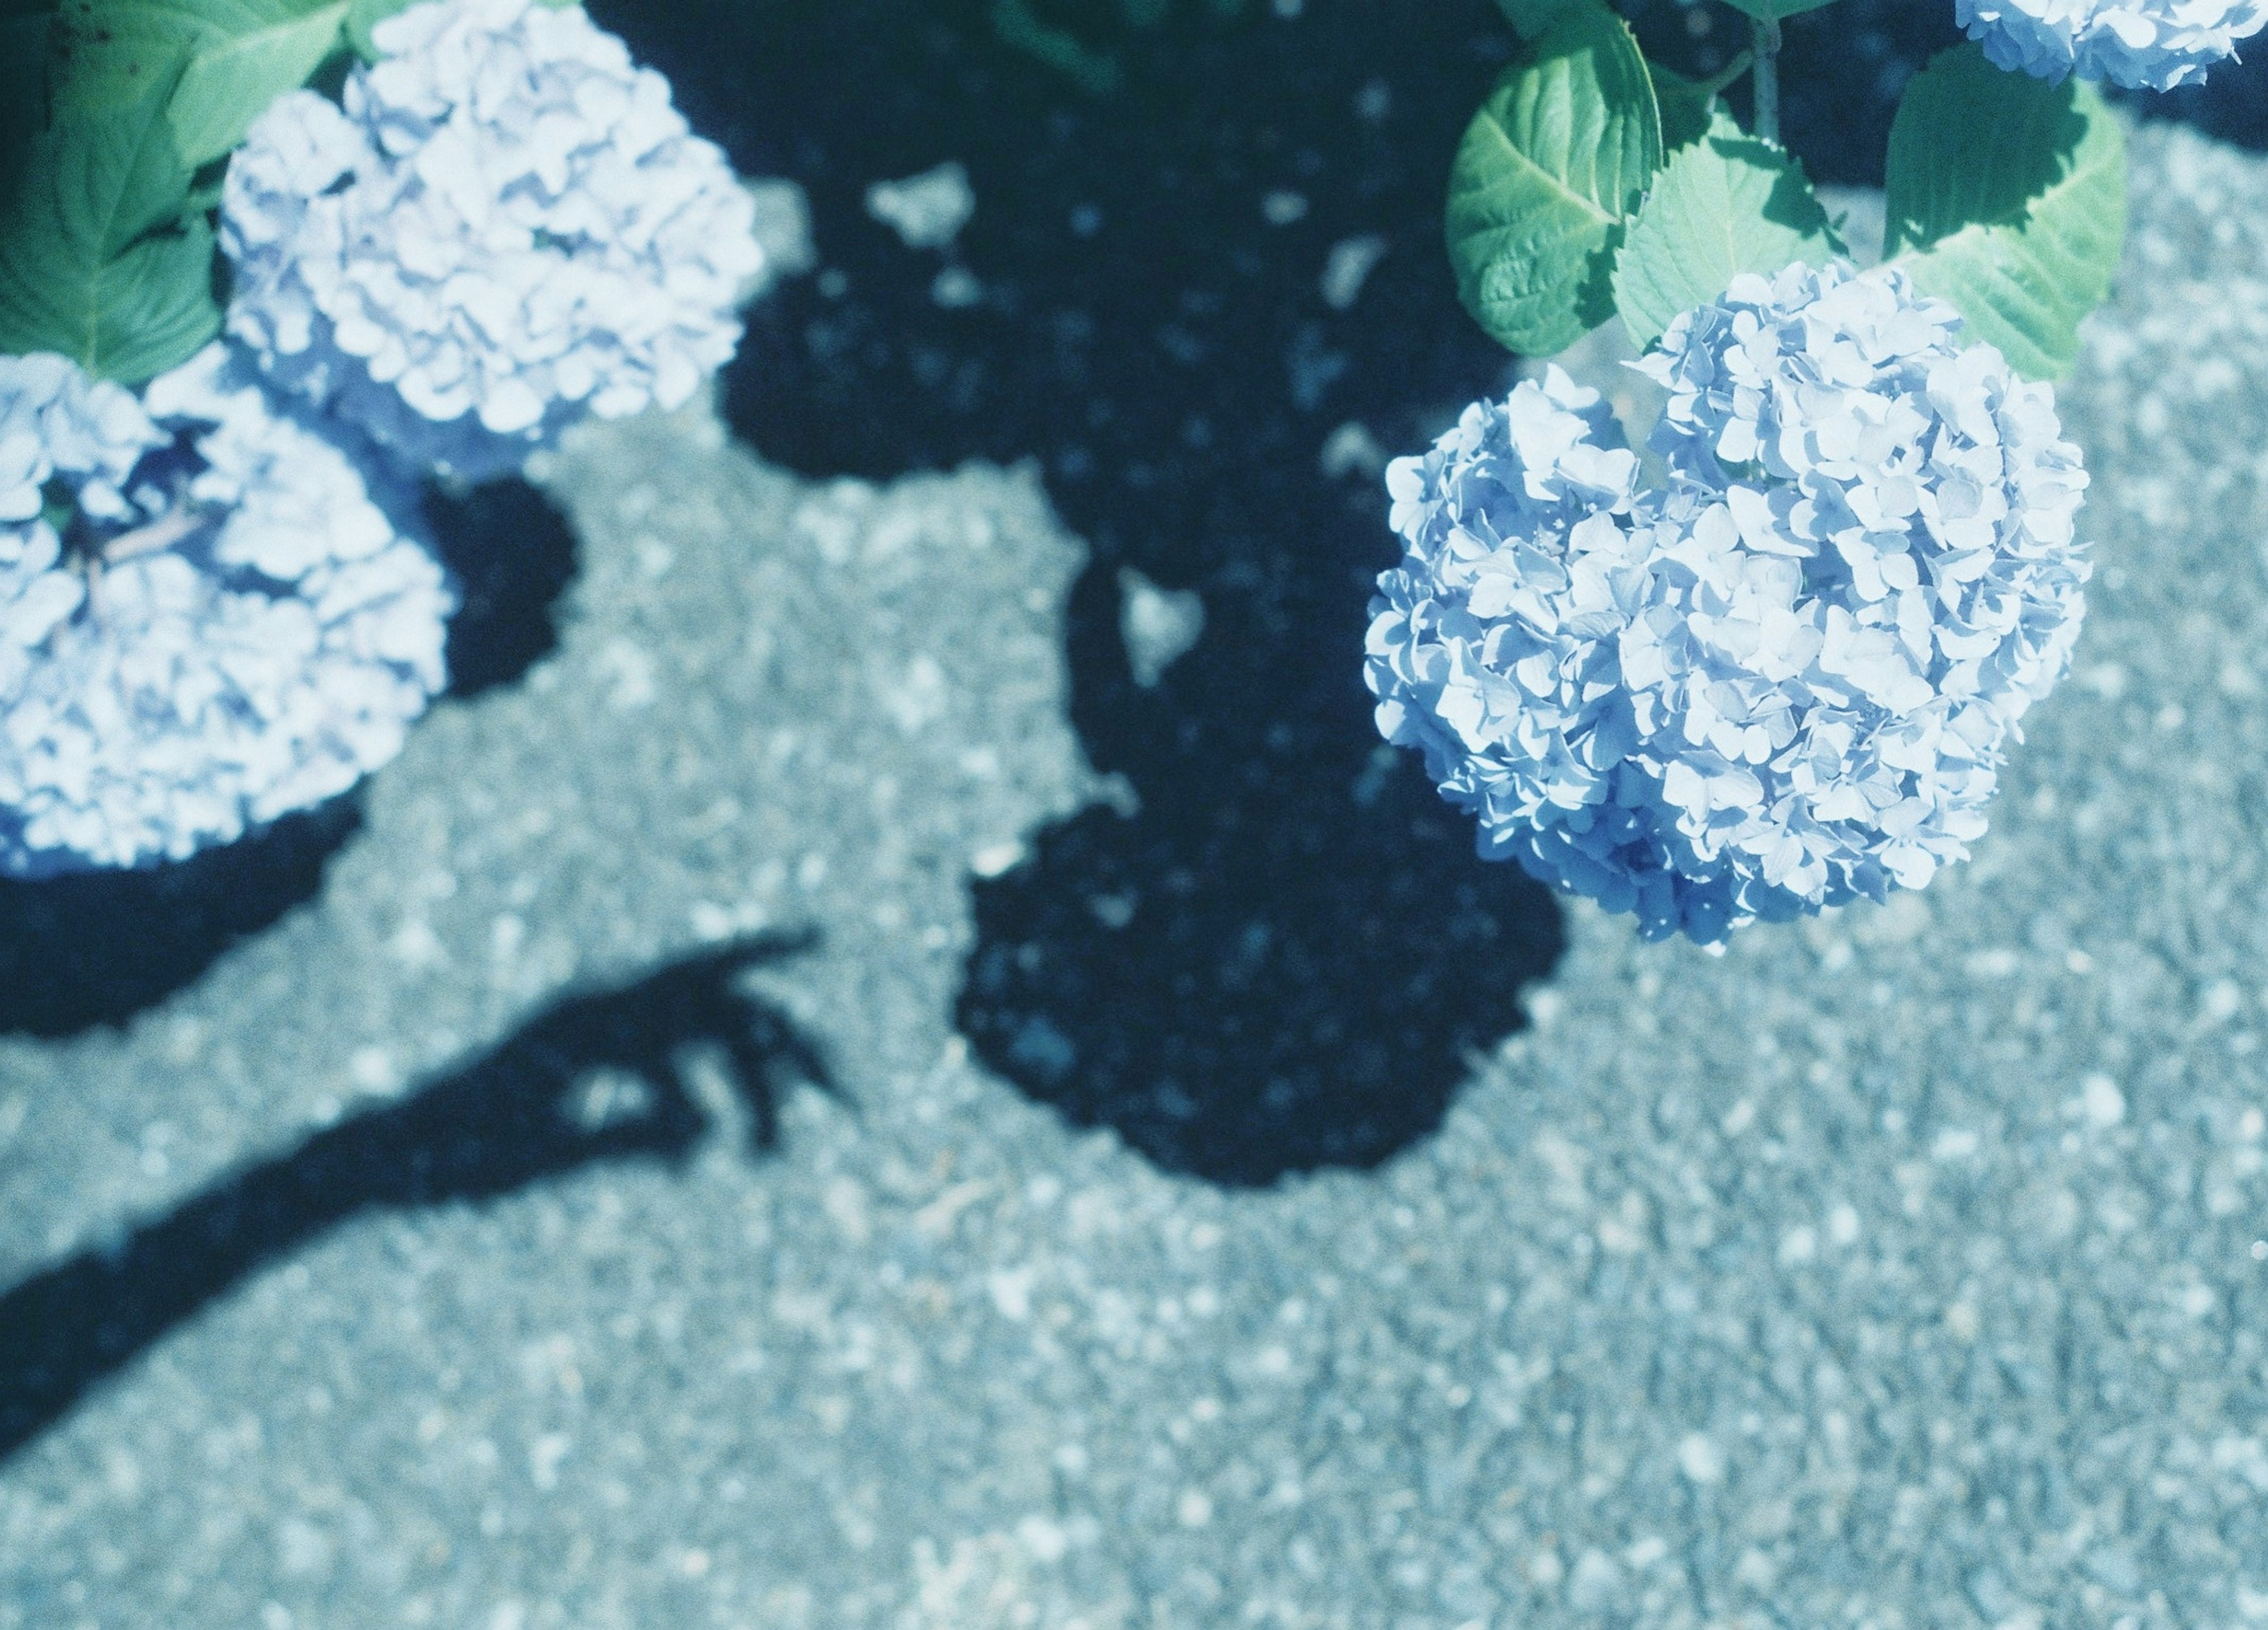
(1781, 682)
(205, 620)
(508, 226)
(2146, 44)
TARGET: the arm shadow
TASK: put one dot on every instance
(532, 1108)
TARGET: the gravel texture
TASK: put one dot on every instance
(1903, 1268)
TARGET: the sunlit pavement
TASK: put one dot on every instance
(1903, 1268)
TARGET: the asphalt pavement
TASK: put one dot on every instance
(580, 1213)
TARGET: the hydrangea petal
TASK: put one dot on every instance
(2143, 44)
(257, 640)
(1785, 680)
(503, 227)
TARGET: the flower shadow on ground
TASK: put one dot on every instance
(1286, 955)
(533, 1109)
(98, 947)
(1282, 958)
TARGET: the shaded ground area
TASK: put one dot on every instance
(1284, 955)
(1144, 328)
(97, 947)
(511, 556)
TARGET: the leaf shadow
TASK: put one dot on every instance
(533, 1107)
(2020, 139)
(1791, 202)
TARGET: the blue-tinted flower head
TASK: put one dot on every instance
(205, 622)
(1493, 647)
(508, 226)
(2144, 44)
(68, 446)
(59, 427)
(1785, 681)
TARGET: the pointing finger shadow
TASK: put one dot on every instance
(530, 1110)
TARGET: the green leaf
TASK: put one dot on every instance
(107, 54)
(1556, 159)
(2007, 196)
(151, 308)
(1729, 203)
(23, 86)
(230, 83)
(241, 55)
(1529, 18)
(1687, 106)
(1766, 11)
(95, 259)
(112, 179)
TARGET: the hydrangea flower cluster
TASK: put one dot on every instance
(1786, 679)
(2144, 44)
(205, 620)
(508, 226)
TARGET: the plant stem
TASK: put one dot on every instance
(1765, 85)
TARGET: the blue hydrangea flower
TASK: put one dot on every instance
(205, 620)
(1494, 646)
(2146, 44)
(507, 227)
(1787, 680)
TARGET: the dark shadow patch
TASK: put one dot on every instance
(1844, 66)
(528, 1111)
(98, 947)
(1842, 69)
(1282, 960)
(512, 556)
(1313, 1001)
(2231, 105)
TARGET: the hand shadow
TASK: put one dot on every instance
(528, 1110)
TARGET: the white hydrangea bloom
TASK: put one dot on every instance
(231, 629)
(56, 424)
(2146, 44)
(1786, 681)
(1494, 645)
(507, 227)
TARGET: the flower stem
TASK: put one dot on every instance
(158, 534)
(1765, 86)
